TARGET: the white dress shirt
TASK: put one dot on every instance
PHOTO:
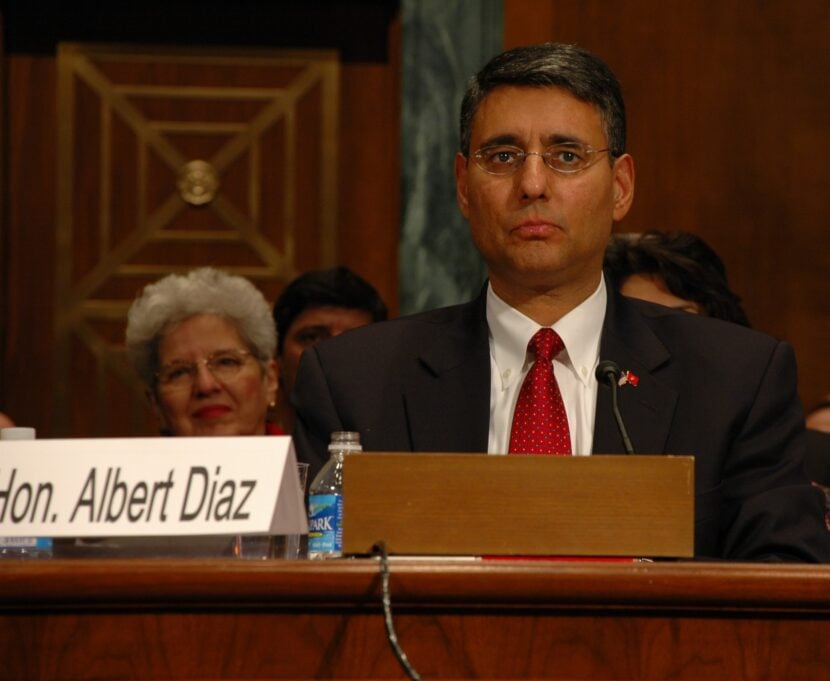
(510, 332)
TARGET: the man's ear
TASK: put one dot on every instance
(623, 186)
(461, 164)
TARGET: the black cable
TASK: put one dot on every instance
(379, 550)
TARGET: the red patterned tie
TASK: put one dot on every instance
(540, 425)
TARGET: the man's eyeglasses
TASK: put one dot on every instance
(567, 158)
(224, 365)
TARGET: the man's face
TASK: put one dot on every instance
(538, 229)
(311, 326)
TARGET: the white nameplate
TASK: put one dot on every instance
(150, 487)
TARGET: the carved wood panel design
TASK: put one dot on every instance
(168, 160)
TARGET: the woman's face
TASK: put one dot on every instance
(209, 384)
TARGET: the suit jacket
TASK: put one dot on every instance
(724, 393)
(817, 457)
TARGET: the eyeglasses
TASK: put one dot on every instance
(223, 364)
(567, 158)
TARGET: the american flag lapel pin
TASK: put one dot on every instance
(629, 378)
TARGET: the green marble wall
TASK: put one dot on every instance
(444, 43)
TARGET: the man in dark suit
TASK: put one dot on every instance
(541, 176)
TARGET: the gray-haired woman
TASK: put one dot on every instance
(203, 344)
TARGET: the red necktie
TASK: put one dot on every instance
(540, 425)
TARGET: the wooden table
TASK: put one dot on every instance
(226, 619)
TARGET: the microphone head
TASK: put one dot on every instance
(608, 371)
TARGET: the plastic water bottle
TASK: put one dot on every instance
(23, 547)
(325, 499)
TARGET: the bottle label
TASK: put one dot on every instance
(325, 532)
(26, 542)
(26, 547)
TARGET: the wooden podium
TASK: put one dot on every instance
(455, 619)
(473, 504)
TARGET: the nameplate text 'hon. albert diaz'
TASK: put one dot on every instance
(150, 487)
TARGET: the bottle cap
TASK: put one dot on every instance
(344, 440)
(17, 433)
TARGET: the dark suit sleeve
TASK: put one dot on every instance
(317, 416)
(772, 513)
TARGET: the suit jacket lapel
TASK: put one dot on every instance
(648, 408)
(447, 397)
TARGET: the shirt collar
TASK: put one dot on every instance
(580, 330)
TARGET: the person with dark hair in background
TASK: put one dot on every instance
(676, 269)
(541, 176)
(680, 270)
(313, 307)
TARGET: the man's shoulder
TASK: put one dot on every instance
(682, 342)
(682, 327)
(409, 331)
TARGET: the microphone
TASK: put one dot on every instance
(609, 372)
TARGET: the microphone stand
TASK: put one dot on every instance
(608, 372)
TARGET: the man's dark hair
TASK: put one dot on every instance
(335, 287)
(579, 72)
(685, 262)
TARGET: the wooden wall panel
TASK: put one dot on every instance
(728, 104)
(369, 196)
(29, 259)
(160, 157)
(46, 194)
